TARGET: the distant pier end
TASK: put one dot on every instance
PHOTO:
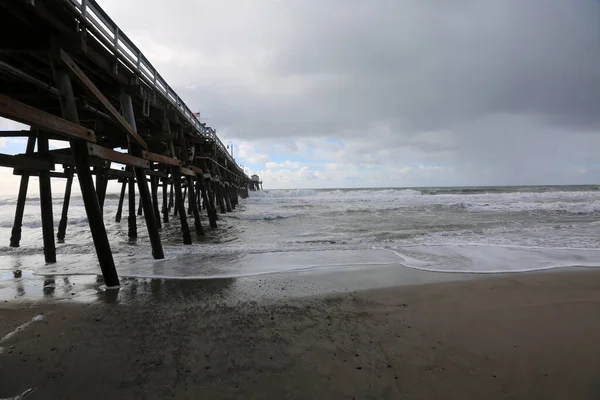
(255, 183)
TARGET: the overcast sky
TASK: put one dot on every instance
(349, 93)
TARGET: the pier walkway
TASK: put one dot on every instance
(70, 73)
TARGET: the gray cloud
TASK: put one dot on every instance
(511, 87)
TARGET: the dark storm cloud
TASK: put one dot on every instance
(419, 66)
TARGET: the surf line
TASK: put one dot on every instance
(20, 328)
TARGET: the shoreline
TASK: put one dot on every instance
(527, 335)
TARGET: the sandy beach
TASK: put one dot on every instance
(519, 336)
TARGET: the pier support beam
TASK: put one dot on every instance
(170, 196)
(101, 184)
(82, 163)
(219, 195)
(165, 207)
(154, 187)
(46, 203)
(224, 192)
(179, 205)
(140, 175)
(210, 208)
(62, 225)
(194, 206)
(15, 236)
(131, 218)
(121, 199)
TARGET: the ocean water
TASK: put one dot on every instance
(456, 230)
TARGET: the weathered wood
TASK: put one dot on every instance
(23, 161)
(46, 205)
(121, 200)
(53, 174)
(219, 195)
(165, 195)
(180, 206)
(226, 197)
(131, 218)
(115, 156)
(210, 209)
(62, 225)
(17, 111)
(90, 200)
(102, 184)
(87, 84)
(171, 196)
(118, 174)
(140, 211)
(194, 206)
(154, 188)
(21, 133)
(159, 174)
(140, 174)
(15, 236)
(190, 195)
(187, 172)
(160, 158)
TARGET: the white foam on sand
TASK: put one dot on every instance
(19, 329)
(458, 258)
(493, 259)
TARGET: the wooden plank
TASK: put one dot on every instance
(23, 133)
(94, 91)
(18, 171)
(160, 158)
(187, 172)
(117, 173)
(17, 111)
(160, 174)
(22, 161)
(121, 158)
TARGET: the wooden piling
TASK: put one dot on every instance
(194, 206)
(165, 207)
(219, 197)
(88, 192)
(131, 218)
(190, 195)
(210, 209)
(179, 205)
(102, 184)
(140, 210)
(140, 175)
(170, 196)
(224, 189)
(46, 203)
(121, 199)
(154, 187)
(62, 225)
(15, 236)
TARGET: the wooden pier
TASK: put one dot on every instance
(68, 72)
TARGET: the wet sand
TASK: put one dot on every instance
(523, 336)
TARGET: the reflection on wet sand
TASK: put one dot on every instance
(87, 288)
(164, 291)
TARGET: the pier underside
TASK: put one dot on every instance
(68, 72)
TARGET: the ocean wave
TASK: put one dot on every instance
(337, 193)
(581, 208)
(262, 216)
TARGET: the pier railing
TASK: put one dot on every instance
(106, 31)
